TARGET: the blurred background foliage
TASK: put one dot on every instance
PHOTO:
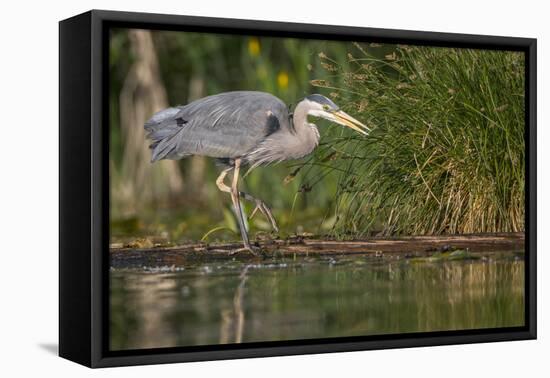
(435, 113)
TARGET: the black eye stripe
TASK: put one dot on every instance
(322, 100)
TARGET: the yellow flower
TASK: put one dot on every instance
(254, 46)
(282, 80)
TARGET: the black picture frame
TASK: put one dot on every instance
(84, 188)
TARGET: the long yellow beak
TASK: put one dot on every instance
(347, 120)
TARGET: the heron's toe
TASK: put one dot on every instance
(256, 251)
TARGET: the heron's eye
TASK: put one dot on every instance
(326, 107)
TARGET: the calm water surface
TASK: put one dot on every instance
(286, 299)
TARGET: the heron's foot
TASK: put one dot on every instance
(264, 209)
(269, 215)
(254, 211)
(247, 248)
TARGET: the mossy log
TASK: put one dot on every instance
(417, 246)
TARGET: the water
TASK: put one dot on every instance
(203, 303)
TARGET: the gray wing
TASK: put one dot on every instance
(226, 125)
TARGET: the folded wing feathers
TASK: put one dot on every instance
(224, 126)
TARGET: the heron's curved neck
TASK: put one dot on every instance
(304, 130)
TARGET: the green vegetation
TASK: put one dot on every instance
(446, 154)
(447, 151)
(152, 70)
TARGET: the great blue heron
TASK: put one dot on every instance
(243, 128)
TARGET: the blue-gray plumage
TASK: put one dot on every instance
(242, 128)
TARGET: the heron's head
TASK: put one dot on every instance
(320, 106)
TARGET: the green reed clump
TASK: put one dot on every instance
(447, 151)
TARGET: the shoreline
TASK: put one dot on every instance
(413, 246)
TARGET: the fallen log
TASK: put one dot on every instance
(417, 246)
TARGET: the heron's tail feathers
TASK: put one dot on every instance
(161, 130)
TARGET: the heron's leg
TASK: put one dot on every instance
(219, 181)
(237, 204)
(261, 205)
